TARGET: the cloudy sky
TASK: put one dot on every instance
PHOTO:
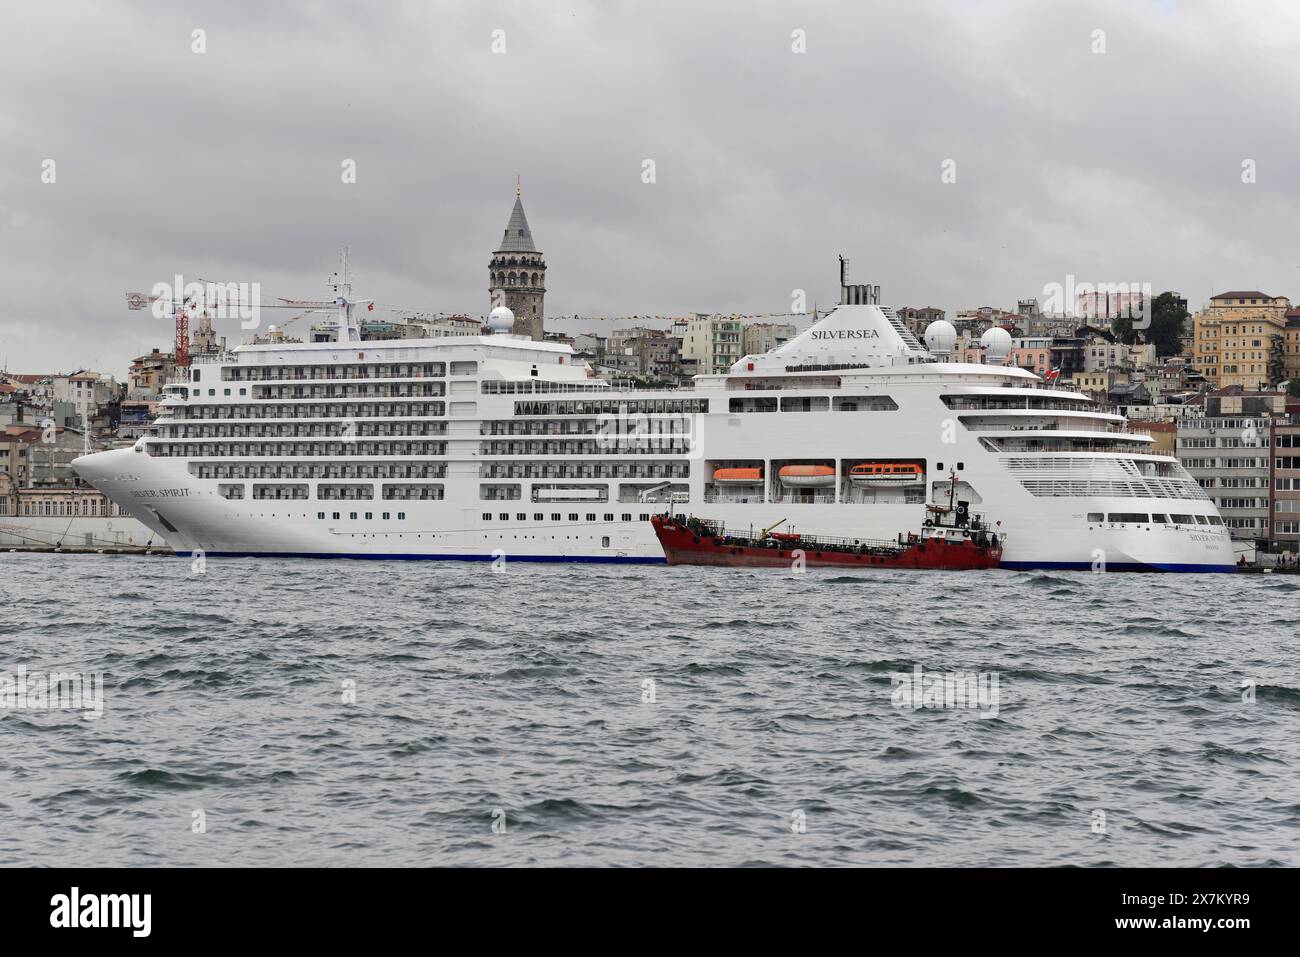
(1122, 165)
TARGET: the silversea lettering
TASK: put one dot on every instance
(846, 334)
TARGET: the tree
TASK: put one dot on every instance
(1168, 316)
(1293, 387)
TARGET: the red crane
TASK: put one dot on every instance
(181, 349)
(181, 354)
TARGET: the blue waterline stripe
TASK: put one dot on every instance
(638, 560)
(403, 557)
(1121, 567)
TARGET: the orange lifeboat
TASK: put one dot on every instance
(887, 473)
(753, 476)
(807, 476)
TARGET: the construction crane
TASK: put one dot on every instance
(341, 305)
(136, 301)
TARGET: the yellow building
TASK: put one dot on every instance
(1240, 339)
(1291, 344)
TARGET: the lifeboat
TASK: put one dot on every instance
(807, 476)
(887, 473)
(738, 476)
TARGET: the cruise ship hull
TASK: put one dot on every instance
(161, 493)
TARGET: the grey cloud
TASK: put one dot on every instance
(1123, 166)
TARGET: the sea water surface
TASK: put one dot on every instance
(438, 713)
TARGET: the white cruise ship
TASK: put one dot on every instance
(498, 446)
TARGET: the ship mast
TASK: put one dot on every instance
(341, 283)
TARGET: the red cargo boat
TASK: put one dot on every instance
(951, 537)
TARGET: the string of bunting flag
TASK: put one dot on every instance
(576, 317)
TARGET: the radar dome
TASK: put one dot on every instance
(501, 319)
(941, 336)
(996, 342)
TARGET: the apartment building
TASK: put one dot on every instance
(1239, 339)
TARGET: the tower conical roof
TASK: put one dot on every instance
(518, 237)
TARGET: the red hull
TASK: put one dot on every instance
(683, 547)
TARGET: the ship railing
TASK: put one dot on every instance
(1079, 426)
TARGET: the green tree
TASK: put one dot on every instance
(1293, 387)
(1168, 316)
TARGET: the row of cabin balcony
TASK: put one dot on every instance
(423, 370)
(396, 449)
(271, 413)
(325, 470)
(328, 429)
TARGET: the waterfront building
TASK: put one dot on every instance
(149, 373)
(1286, 481)
(757, 338)
(1291, 344)
(714, 342)
(1227, 451)
(1105, 306)
(659, 353)
(1165, 435)
(916, 319)
(84, 388)
(71, 500)
(1033, 354)
(1239, 339)
(15, 452)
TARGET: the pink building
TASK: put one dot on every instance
(1032, 354)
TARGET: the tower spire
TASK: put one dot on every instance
(517, 272)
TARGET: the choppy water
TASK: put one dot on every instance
(518, 697)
